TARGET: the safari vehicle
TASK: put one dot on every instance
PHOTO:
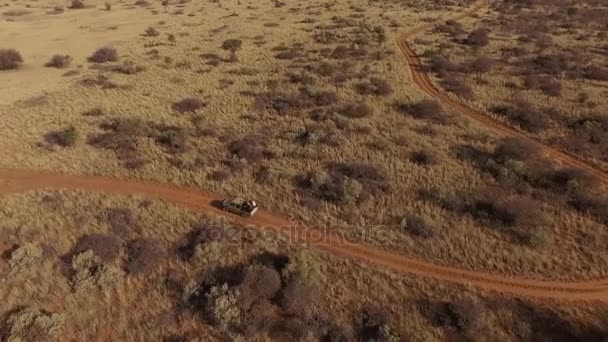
(240, 206)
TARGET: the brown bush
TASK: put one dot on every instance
(290, 54)
(357, 111)
(282, 103)
(375, 86)
(372, 324)
(457, 86)
(59, 61)
(478, 38)
(525, 115)
(259, 283)
(121, 135)
(515, 149)
(249, 148)
(188, 105)
(104, 55)
(594, 72)
(144, 256)
(172, 139)
(426, 109)
(424, 157)
(372, 179)
(297, 296)
(219, 175)
(551, 87)
(462, 315)
(324, 98)
(122, 221)
(151, 32)
(417, 226)
(106, 246)
(202, 232)
(76, 4)
(66, 137)
(10, 59)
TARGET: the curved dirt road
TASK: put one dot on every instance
(14, 181)
(421, 79)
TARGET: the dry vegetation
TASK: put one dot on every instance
(547, 77)
(307, 107)
(84, 266)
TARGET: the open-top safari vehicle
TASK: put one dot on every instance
(240, 206)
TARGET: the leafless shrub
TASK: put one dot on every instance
(219, 175)
(426, 109)
(107, 247)
(188, 105)
(172, 139)
(66, 137)
(59, 61)
(417, 226)
(144, 256)
(525, 115)
(290, 54)
(108, 6)
(10, 59)
(515, 149)
(104, 55)
(151, 32)
(76, 4)
(424, 157)
(232, 45)
(455, 85)
(259, 283)
(375, 86)
(249, 148)
(297, 296)
(594, 72)
(478, 38)
(357, 111)
(122, 221)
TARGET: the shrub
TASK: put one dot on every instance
(373, 325)
(222, 306)
(144, 256)
(90, 273)
(478, 38)
(59, 61)
(461, 314)
(105, 246)
(297, 296)
(76, 4)
(151, 32)
(424, 157)
(375, 86)
(104, 55)
(30, 324)
(66, 137)
(259, 283)
(188, 105)
(10, 59)
(457, 86)
(515, 149)
(25, 258)
(122, 221)
(290, 54)
(417, 226)
(551, 87)
(248, 148)
(306, 266)
(172, 139)
(426, 109)
(594, 72)
(121, 136)
(219, 175)
(524, 114)
(357, 111)
(232, 45)
(324, 98)
(108, 6)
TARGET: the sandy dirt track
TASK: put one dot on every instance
(14, 181)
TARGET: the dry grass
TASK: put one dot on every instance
(158, 285)
(378, 160)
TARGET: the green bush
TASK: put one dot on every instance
(24, 258)
(223, 307)
(306, 266)
(30, 324)
(67, 137)
(90, 273)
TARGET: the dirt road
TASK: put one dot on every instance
(14, 181)
(421, 79)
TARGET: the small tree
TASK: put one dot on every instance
(232, 45)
